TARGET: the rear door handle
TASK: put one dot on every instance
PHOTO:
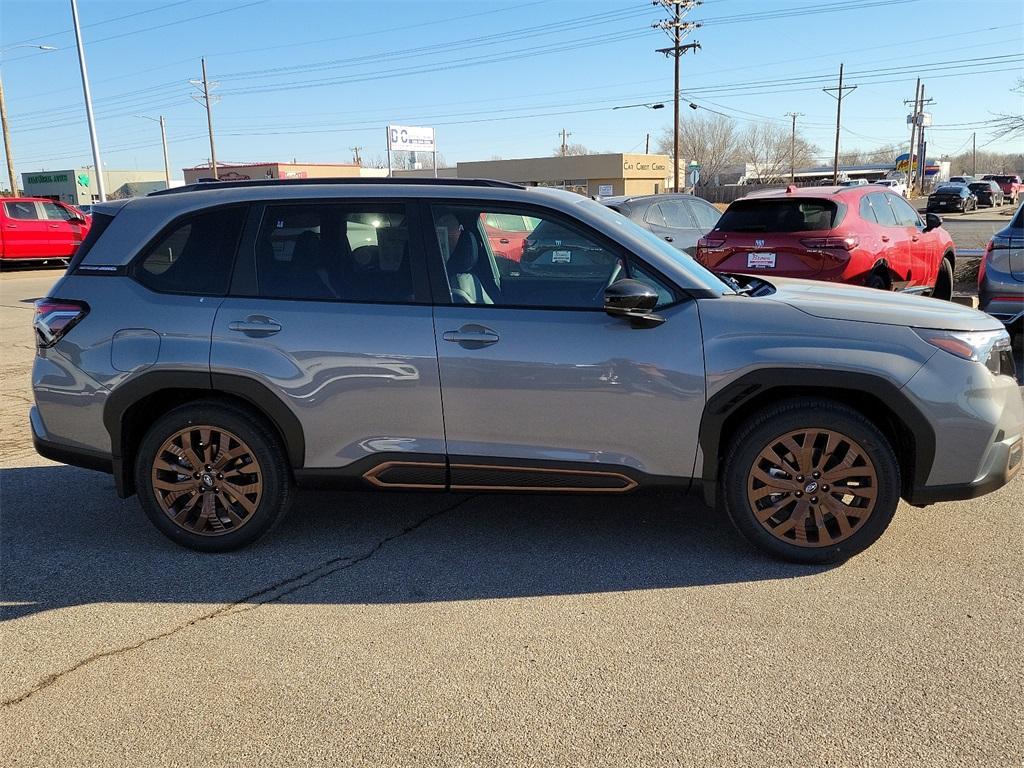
(256, 325)
(472, 336)
(503, 241)
(915, 238)
(885, 238)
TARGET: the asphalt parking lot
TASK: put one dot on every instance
(480, 630)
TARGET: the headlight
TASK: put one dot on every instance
(991, 348)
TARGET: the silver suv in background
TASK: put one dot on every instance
(214, 345)
(1001, 274)
(679, 219)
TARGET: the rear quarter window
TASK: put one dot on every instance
(194, 255)
(774, 215)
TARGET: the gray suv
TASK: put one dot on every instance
(213, 346)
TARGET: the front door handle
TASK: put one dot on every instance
(668, 238)
(503, 241)
(885, 238)
(472, 336)
(915, 238)
(256, 325)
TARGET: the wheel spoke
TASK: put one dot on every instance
(838, 510)
(824, 537)
(843, 473)
(775, 482)
(181, 485)
(226, 457)
(189, 505)
(767, 490)
(767, 512)
(229, 508)
(864, 492)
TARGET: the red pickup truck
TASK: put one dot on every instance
(1010, 185)
(34, 228)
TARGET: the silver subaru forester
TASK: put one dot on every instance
(214, 345)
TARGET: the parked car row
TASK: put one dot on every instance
(40, 229)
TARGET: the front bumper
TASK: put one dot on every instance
(1003, 463)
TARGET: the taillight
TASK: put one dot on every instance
(845, 243)
(711, 242)
(54, 318)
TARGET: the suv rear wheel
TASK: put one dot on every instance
(811, 481)
(211, 477)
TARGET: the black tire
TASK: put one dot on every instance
(765, 428)
(264, 463)
(944, 281)
(878, 281)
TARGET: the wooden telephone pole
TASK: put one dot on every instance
(677, 29)
(840, 93)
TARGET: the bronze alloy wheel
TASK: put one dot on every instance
(812, 487)
(206, 480)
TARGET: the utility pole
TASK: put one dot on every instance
(355, 155)
(565, 147)
(7, 143)
(100, 186)
(974, 152)
(839, 94)
(205, 99)
(677, 29)
(911, 171)
(792, 147)
(647, 145)
(922, 160)
(163, 140)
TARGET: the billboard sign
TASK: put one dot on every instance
(410, 138)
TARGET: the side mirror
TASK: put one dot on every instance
(932, 221)
(632, 300)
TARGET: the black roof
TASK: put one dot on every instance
(355, 180)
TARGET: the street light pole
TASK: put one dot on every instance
(11, 175)
(100, 186)
(163, 140)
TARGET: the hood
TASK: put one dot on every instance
(870, 305)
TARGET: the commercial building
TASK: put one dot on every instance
(253, 171)
(591, 175)
(78, 185)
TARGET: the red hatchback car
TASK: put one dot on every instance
(36, 228)
(863, 235)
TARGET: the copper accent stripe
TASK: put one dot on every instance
(629, 483)
(372, 475)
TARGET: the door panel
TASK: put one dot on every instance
(64, 237)
(361, 378)
(573, 386)
(26, 234)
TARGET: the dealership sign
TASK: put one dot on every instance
(410, 138)
(51, 178)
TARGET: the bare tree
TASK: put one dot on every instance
(1007, 125)
(769, 148)
(709, 140)
(571, 150)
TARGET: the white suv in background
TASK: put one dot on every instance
(894, 184)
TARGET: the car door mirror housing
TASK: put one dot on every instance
(932, 221)
(633, 300)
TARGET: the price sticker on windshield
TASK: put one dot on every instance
(561, 257)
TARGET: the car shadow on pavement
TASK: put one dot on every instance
(68, 540)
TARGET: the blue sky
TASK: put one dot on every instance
(310, 79)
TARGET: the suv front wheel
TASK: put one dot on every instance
(811, 481)
(212, 477)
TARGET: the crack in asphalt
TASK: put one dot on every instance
(269, 594)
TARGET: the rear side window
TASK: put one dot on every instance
(195, 255)
(100, 222)
(335, 252)
(773, 215)
(676, 214)
(21, 210)
(867, 212)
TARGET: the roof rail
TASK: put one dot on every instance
(353, 180)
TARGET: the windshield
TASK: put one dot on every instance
(701, 273)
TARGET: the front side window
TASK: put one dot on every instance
(335, 252)
(21, 210)
(55, 212)
(905, 213)
(555, 264)
(195, 256)
(705, 214)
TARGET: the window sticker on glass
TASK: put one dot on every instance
(561, 257)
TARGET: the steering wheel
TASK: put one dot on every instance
(598, 297)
